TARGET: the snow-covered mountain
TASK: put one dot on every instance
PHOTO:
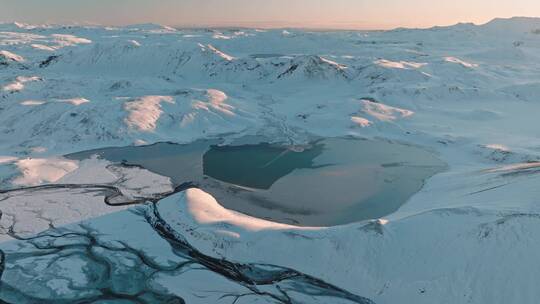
(469, 93)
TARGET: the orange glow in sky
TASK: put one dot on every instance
(359, 14)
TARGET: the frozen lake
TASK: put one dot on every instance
(330, 181)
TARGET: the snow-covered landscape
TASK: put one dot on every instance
(96, 230)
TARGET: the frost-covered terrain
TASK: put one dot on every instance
(470, 93)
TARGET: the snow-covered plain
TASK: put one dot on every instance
(469, 93)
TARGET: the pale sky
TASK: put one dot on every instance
(359, 14)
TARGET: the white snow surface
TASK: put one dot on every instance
(37, 171)
(145, 112)
(27, 212)
(470, 93)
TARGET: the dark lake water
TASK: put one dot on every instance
(328, 182)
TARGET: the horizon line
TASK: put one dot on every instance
(266, 25)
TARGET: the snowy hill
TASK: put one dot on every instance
(469, 93)
(518, 25)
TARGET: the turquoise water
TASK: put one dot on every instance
(328, 182)
(256, 166)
